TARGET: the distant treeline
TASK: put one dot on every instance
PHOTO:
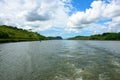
(104, 36)
(55, 38)
(10, 34)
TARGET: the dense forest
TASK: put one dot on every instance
(11, 34)
(104, 36)
(55, 38)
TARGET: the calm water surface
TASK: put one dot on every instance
(60, 60)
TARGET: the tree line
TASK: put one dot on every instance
(104, 36)
(10, 33)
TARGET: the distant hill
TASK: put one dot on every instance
(104, 36)
(9, 33)
(55, 38)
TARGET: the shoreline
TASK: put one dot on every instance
(26, 40)
(16, 40)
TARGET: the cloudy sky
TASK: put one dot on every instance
(65, 18)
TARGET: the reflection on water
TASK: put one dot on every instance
(60, 60)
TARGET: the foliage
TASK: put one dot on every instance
(104, 36)
(55, 38)
(13, 33)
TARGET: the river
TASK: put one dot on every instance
(60, 60)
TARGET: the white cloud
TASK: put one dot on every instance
(99, 10)
(112, 10)
(36, 14)
(41, 15)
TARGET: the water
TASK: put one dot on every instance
(60, 60)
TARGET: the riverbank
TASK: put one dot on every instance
(14, 34)
(104, 36)
(15, 40)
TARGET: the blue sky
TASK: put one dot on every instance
(66, 18)
(81, 5)
(78, 5)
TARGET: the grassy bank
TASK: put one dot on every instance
(14, 34)
(16, 40)
(104, 36)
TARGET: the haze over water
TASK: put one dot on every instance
(60, 60)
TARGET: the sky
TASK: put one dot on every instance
(66, 18)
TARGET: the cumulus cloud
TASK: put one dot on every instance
(35, 14)
(2, 1)
(41, 15)
(99, 10)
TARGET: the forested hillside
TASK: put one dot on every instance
(104, 36)
(55, 38)
(9, 33)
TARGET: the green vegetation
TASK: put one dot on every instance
(104, 36)
(55, 38)
(13, 34)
